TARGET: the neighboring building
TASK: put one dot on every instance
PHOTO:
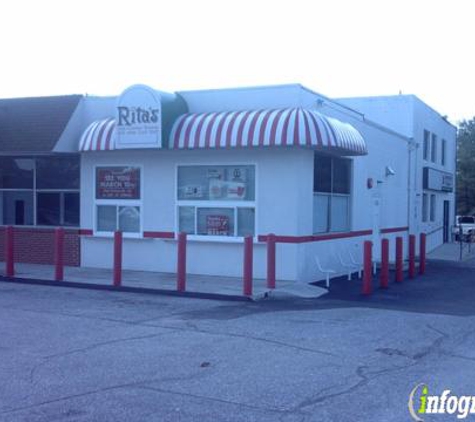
(223, 164)
(434, 158)
(39, 184)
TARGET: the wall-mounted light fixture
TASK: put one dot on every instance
(390, 171)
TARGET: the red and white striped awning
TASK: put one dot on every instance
(261, 128)
(253, 128)
(99, 136)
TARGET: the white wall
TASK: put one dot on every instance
(408, 115)
(281, 184)
(284, 191)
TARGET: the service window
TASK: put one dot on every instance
(118, 199)
(332, 194)
(216, 200)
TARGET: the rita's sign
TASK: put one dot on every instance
(139, 118)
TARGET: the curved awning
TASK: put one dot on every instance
(261, 128)
(98, 136)
(253, 128)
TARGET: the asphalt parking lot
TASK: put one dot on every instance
(84, 355)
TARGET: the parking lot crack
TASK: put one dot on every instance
(213, 399)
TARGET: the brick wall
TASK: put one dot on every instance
(36, 246)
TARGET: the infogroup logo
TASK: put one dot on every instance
(421, 404)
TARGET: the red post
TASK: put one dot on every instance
(422, 253)
(9, 252)
(117, 273)
(399, 260)
(384, 275)
(181, 263)
(412, 256)
(271, 261)
(59, 254)
(247, 273)
(367, 267)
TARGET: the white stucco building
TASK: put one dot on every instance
(323, 175)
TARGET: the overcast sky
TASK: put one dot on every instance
(339, 48)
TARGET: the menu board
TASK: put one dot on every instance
(117, 183)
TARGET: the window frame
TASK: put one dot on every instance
(62, 207)
(333, 194)
(35, 191)
(228, 204)
(433, 208)
(118, 203)
(426, 144)
(443, 152)
(425, 207)
(433, 147)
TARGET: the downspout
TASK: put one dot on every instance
(411, 146)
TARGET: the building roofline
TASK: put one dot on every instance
(41, 97)
(394, 97)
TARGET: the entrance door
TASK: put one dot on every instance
(446, 221)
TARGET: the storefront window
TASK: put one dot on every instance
(57, 173)
(16, 208)
(216, 200)
(16, 173)
(40, 190)
(332, 189)
(57, 208)
(118, 194)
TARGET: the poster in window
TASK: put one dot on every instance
(117, 183)
(217, 225)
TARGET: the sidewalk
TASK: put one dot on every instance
(451, 252)
(196, 286)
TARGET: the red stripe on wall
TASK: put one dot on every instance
(330, 236)
(395, 230)
(159, 235)
(85, 232)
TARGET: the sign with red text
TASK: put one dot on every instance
(117, 183)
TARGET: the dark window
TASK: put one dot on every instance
(443, 152)
(48, 207)
(426, 146)
(57, 209)
(322, 180)
(341, 176)
(16, 173)
(332, 188)
(57, 173)
(433, 151)
(16, 207)
(71, 209)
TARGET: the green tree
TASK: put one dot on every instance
(466, 167)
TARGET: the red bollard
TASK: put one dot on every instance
(181, 263)
(247, 273)
(367, 267)
(422, 253)
(384, 275)
(412, 256)
(59, 254)
(9, 252)
(117, 273)
(271, 261)
(399, 260)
